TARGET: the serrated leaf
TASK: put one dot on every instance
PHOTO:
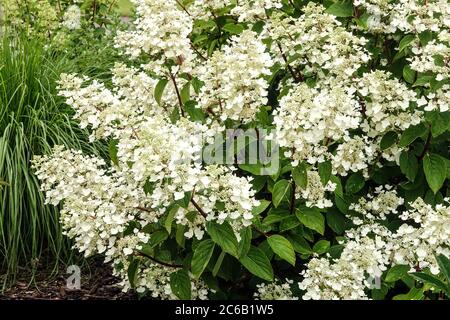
(435, 169)
(245, 242)
(397, 272)
(262, 206)
(159, 89)
(282, 247)
(429, 279)
(409, 165)
(233, 28)
(132, 272)
(202, 255)
(444, 266)
(406, 40)
(112, 150)
(341, 9)
(354, 183)
(257, 263)
(388, 140)
(411, 134)
(311, 218)
(299, 174)
(409, 74)
(321, 246)
(157, 237)
(180, 283)
(337, 221)
(169, 219)
(280, 190)
(325, 172)
(224, 236)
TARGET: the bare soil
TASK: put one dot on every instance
(97, 283)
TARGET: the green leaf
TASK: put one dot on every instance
(409, 74)
(411, 134)
(299, 174)
(300, 244)
(425, 37)
(245, 243)
(282, 247)
(224, 236)
(194, 113)
(311, 218)
(262, 206)
(341, 9)
(257, 263)
(132, 272)
(325, 171)
(337, 221)
(354, 183)
(409, 165)
(397, 272)
(321, 246)
(435, 169)
(413, 294)
(159, 89)
(179, 235)
(339, 190)
(429, 279)
(180, 283)
(157, 237)
(406, 40)
(201, 257)
(280, 190)
(444, 266)
(112, 150)
(218, 263)
(388, 140)
(440, 122)
(233, 28)
(169, 219)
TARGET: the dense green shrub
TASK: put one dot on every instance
(353, 206)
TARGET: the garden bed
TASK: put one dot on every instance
(97, 283)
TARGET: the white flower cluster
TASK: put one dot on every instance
(409, 16)
(315, 192)
(439, 100)
(386, 105)
(235, 87)
(276, 290)
(72, 18)
(353, 154)
(308, 116)
(371, 248)
(162, 31)
(347, 277)
(316, 42)
(375, 207)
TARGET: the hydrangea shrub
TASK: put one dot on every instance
(355, 95)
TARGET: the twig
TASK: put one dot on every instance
(180, 101)
(159, 261)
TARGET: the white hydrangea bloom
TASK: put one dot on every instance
(354, 154)
(72, 18)
(235, 87)
(386, 103)
(276, 290)
(315, 42)
(315, 192)
(375, 207)
(162, 28)
(439, 100)
(309, 118)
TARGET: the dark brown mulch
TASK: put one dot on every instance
(97, 283)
